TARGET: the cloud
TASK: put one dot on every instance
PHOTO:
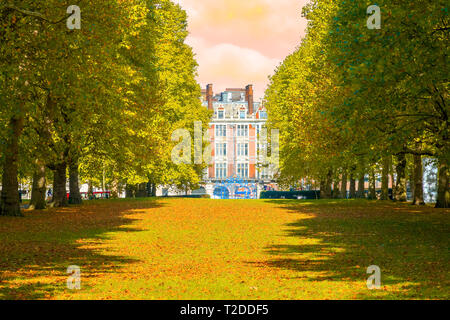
(240, 42)
(227, 65)
(274, 27)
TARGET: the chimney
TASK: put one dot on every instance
(249, 98)
(209, 96)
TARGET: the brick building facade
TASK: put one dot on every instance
(235, 139)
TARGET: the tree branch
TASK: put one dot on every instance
(33, 14)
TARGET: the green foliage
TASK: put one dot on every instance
(107, 96)
(350, 96)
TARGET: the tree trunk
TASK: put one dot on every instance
(385, 179)
(90, 190)
(352, 194)
(59, 185)
(149, 189)
(39, 188)
(329, 181)
(141, 191)
(153, 190)
(114, 188)
(325, 187)
(443, 196)
(10, 198)
(130, 191)
(353, 182)
(411, 180)
(418, 181)
(336, 194)
(392, 183)
(372, 185)
(74, 187)
(327, 194)
(344, 185)
(361, 192)
(400, 187)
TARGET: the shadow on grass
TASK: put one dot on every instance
(36, 251)
(338, 240)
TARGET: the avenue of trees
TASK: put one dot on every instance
(93, 104)
(356, 102)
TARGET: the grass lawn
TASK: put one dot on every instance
(212, 249)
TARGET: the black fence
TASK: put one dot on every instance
(192, 196)
(304, 195)
(308, 195)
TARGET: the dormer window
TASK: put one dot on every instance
(242, 114)
(263, 115)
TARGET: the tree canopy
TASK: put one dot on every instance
(355, 100)
(99, 102)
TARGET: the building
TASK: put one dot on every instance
(238, 168)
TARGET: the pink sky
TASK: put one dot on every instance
(240, 42)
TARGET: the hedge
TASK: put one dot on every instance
(192, 196)
(306, 195)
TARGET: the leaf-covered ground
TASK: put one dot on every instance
(209, 249)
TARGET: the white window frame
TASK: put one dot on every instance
(242, 150)
(242, 130)
(221, 170)
(264, 173)
(265, 113)
(221, 149)
(221, 130)
(243, 170)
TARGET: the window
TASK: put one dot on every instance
(221, 130)
(221, 170)
(261, 149)
(220, 114)
(242, 130)
(221, 149)
(263, 173)
(263, 115)
(242, 150)
(242, 114)
(262, 133)
(242, 170)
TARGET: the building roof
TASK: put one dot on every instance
(235, 89)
